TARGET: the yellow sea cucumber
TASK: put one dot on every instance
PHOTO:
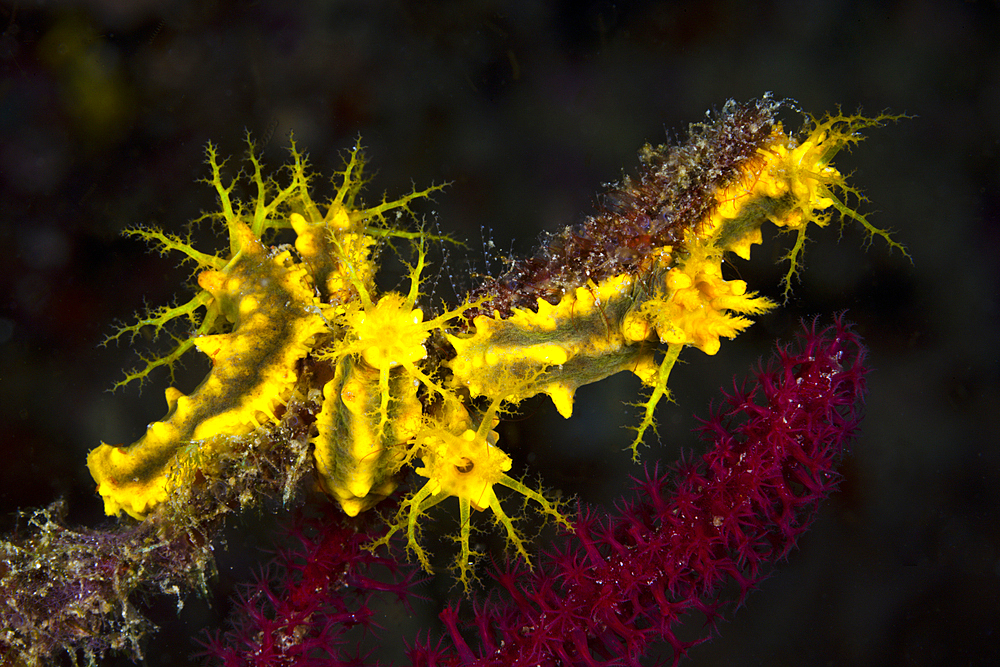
(391, 387)
(264, 309)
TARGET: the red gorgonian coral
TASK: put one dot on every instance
(617, 584)
(620, 583)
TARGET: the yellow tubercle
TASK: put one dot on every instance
(579, 340)
(142, 494)
(562, 396)
(339, 216)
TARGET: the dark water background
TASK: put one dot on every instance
(528, 108)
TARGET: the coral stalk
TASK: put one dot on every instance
(311, 597)
(79, 591)
(618, 585)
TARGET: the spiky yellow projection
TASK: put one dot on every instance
(461, 459)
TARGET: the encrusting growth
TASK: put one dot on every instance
(394, 388)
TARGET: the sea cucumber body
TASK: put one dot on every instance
(275, 321)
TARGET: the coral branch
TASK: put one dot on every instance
(313, 595)
(620, 584)
(76, 591)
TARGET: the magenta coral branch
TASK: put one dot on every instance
(620, 584)
(314, 594)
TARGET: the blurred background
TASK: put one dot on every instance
(527, 109)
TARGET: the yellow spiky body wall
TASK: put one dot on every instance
(390, 387)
